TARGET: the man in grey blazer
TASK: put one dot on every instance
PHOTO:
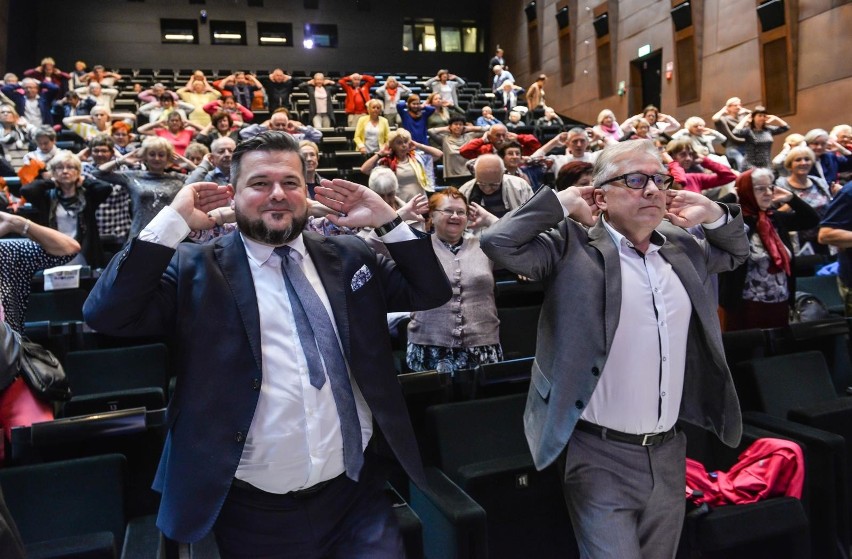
(628, 343)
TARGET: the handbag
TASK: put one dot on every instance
(43, 372)
(10, 355)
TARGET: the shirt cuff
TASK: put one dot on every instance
(167, 228)
(726, 217)
(402, 232)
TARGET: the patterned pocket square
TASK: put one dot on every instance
(361, 277)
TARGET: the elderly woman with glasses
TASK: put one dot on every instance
(830, 156)
(464, 332)
(68, 203)
(758, 293)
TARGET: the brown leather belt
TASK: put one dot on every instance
(300, 494)
(607, 434)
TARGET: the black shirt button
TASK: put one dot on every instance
(255, 384)
(240, 437)
(596, 372)
(579, 404)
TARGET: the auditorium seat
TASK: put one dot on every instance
(75, 508)
(776, 527)
(826, 485)
(482, 470)
(117, 378)
(829, 337)
(798, 387)
(136, 434)
(825, 289)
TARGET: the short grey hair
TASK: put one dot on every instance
(219, 141)
(613, 160)
(762, 172)
(383, 181)
(815, 134)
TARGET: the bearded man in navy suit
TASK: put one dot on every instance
(255, 451)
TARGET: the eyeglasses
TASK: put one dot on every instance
(762, 189)
(490, 184)
(451, 213)
(638, 181)
(65, 168)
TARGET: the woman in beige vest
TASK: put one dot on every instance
(464, 332)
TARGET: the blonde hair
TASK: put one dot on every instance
(375, 103)
(606, 113)
(63, 157)
(310, 144)
(693, 121)
(798, 152)
(156, 142)
(399, 133)
(794, 139)
(196, 149)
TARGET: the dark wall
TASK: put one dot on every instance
(120, 33)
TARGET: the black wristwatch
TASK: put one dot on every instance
(388, 227)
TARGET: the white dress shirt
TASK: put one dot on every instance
(641, 384)
(295, 440)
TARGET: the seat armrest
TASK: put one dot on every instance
(454, 525)
(142, 538)
(99, 545)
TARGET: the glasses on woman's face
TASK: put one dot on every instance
(451, 213)
(68, 168)
(763, 188)
(638, 181)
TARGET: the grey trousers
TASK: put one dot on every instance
(625, 501)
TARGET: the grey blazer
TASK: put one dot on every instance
(581, 272)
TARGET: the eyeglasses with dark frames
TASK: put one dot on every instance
(638, 181)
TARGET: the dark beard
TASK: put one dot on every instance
(257, 230)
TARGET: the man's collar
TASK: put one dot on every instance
(657, 238)
(259, 252)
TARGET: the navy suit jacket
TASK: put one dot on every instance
(202, 297)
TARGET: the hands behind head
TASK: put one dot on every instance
(686, 209)
(414, 209)
(480, 217)
(579, 201)
(357, 205)
(194, 201)
(781, 196)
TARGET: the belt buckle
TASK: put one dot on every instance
(647, 439)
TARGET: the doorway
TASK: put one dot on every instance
(646, 82)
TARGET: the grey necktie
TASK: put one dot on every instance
(320, 344)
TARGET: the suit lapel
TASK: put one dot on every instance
(230, 254)
(601, 240)
(329, 266)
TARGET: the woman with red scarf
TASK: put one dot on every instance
(758, 294)
(410, 161)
